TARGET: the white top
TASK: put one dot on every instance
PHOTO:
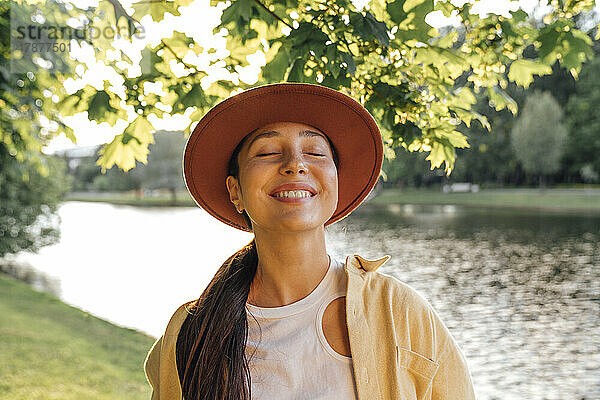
(292, 359)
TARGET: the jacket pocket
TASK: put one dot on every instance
(416, 373)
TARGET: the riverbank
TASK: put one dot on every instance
(558, 200)
(50, 350)
(554, 200)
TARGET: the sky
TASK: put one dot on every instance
(197, 21)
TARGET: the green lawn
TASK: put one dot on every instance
(550, 200)
(183, 199)
(50, 350)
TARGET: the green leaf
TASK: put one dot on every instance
(518, 16)
(121, 13)
(275, 69)
(122, 155)
(67, 130)
(157, 9)
(500, 99)
(72, 104)
(350, 64)
(296, 71)
(456, 138)
(100, 110)
(442, 153)
(193, 98)
(464, 97)
(398, 95)
(179, 43)
(367, 27)
(446, 7)
(406, 132)
(140, 130)
(561, 40)
(378, 29)
(218, 90)
(577, 49)
(307, 37)
(410, 4)
(522, 71)
(447, 40)
(128, 147)
(342, 80)
(149, 63)
(482, 120)
(413, 27)
(548, 38)
(396, 11)
(239, 12)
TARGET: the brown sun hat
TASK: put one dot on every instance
(349, 126)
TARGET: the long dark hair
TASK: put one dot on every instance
(211, 344)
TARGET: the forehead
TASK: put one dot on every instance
(283, 130)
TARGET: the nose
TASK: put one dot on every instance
(294, 164)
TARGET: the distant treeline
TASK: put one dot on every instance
(162, 171)
(497, 158)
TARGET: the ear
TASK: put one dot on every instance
(235, 194)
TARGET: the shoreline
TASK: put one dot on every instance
(558, 200)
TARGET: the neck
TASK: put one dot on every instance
(290, 266)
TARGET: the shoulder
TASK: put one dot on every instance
(163, 350)
(421, 331)
(384, 292)
(177, 319)
(399, 292)
(160, 364)
(411, 313)
(384, 285)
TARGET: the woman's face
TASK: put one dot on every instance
(285, 153)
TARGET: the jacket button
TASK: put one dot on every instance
(365, 375)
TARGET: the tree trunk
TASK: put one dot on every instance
(173, 196)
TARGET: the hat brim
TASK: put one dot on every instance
(349, 126)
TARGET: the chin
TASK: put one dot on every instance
(298, 226)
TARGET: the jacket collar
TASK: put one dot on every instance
(357, 264)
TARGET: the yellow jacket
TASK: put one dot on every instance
(400, 347)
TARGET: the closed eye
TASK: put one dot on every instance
(312, 154)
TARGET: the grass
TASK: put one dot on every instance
(549, 200)
(566, 200)
(183, 199)
(50, 350)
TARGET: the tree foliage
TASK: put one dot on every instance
(419, 84)
(583, 145)
(28, 202)
(29, 93)
(538, 137)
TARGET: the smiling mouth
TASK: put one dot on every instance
(288, 198)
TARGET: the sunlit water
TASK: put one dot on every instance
(520, 292)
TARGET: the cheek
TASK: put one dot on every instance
(253, 176)
(330, 177)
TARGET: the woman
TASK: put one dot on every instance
(282, 319)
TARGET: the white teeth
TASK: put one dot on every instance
(293, 193)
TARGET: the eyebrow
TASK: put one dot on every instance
(305, 133)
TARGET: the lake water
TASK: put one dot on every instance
(520, 291)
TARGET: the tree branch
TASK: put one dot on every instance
(273, 14)
(116, 4)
